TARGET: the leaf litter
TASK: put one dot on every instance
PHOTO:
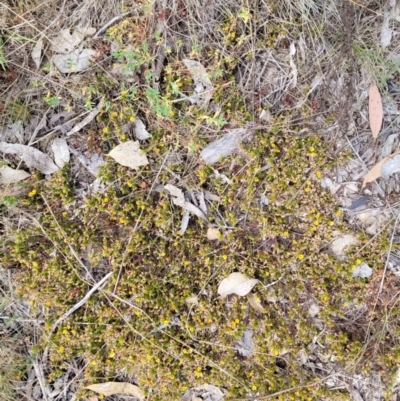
(129, 154)
(111, 388)
(236, 283)
(31, 156)
(9, 175)
(375, 110)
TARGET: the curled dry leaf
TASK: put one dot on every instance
(255, 303)
(10, 176)
(61, 152)
(66, 42)
(375, 110)
(37, 53)
(31, 156)
(140, 130)
(111, 388)
(377, 170)
(178, 196)
(204, 88)
(129, 154)
(75, 61)
(236, 283)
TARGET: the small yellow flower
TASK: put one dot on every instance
(35, 264)
(300, 256)
(132, 119)
(32, 193)
(254, 387)
(123, 137)
(106, 130)
(318, 174)
(123, 93)
(308, 182)
(307, 189)
(61, 348)
(225, 257)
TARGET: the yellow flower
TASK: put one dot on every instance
(32, 193)
(105, 130)
(300, 256)
(132, 118)
(123, 92)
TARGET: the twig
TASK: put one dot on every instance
(87, 119)
(81, 302)
(113, 21)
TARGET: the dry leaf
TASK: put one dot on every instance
(236, 283)
(185, 221)
(140, 130)
(129, 154)
(386, 31)
(213, 234)
(178, 196)
(75, 61)
(10, 176)
(66, 42)
(375, 110)
(255, 303)
(111, 388)
(203, 92)
(37, 53)
(376, 171)
(362, 270)
(31, 156)
(340, 245)
(224, 146)
(61, 151)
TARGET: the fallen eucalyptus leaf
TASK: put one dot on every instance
(129, 154)
(376, 171)
(111, 388)
(255, 303)
(375, 110)
(75, 61)
(185, 221)
(178, 196)
(61, 152)
(140, 130)
(66, 42)
(9, 175)
(37, 53)
(195, 210)
(13, 133)
(224, 146)
(236, 283)
(31, 156)
(203, 92)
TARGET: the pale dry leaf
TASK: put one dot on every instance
(362, 270)
(236, 283)
(203, 86)
(213, 234)
(9, 175)
(111, 388)
(245, 345)
(13, 133)
(375, 110)
(195, 210)
(386, 31)
(140, 130)
(376, 171)
(37, 53)
(390, 167)
(31, 156)
(129, 154)
(75, 61)
(224, 146)
(66, 42)
(340, 245)
(178, 195)
(255, 303)
(185, 221)
(60, 151)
